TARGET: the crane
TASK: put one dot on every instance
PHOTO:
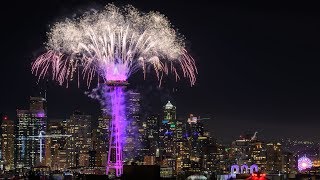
(254, 137)
(206, 118)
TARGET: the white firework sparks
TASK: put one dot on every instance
(113, 44)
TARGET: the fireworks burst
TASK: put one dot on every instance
(304, 163)
(112, 45)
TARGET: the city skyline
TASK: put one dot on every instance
(256, 66)
(179, 147)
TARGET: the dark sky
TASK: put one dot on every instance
(258, 63)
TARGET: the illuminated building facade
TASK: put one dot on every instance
(30, 123)
(78, 145)
(288, 162)
(248, 150)
(7, 143)
(92, 159)
(274, 158)
(100, 140)
(134, 147)
(258, 154)
(143, 148)
(241, 151)
(56, 145)
(197, 149)
(149, 160)
(167, 134)
(152, 133)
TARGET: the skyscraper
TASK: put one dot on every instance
(56, 151)
(134, 145)
(7, 143)
(259, 154)
(241, 150)
(289, 162)
(274, 158)
(79, 144)
(168, 136)
(30, 123)
(100, 140)
(197, 143)
(152, 133)
(167, 129)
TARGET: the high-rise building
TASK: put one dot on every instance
(195, 133)
(258, 154)
(79, 144)
(274, 158)
(168, 136)
(288, 162)
(198, 147)
(143, 148)
(29, 124)
(149, 140)
(134, 147)
(100, 140)
(7, 143)
(152, 133)
(248, 150)
(92, 159)
(133, 103)
(55, 153)
(241, 150)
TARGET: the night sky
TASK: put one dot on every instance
(258, 64)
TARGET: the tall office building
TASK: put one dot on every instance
(289, 162)
(168, 136)
(7, 143)
(259, 154)
(241, 150)
(152, 133)
(167, 130)
(133, 149)
(274, 158)
(79, 144)
(249, 150)
(100, 140)
(92, 159)
(197, 143)
(56, 146)
(30, 123)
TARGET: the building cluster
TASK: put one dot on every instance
(181, 147)
(269, 157)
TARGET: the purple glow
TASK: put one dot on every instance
(116, 72)
(304, 163)
(117, 129)
(114, 44)
(40, 114)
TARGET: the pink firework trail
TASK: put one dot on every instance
(113, 44)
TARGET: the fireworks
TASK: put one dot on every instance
(112, 45)
(304, 163)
